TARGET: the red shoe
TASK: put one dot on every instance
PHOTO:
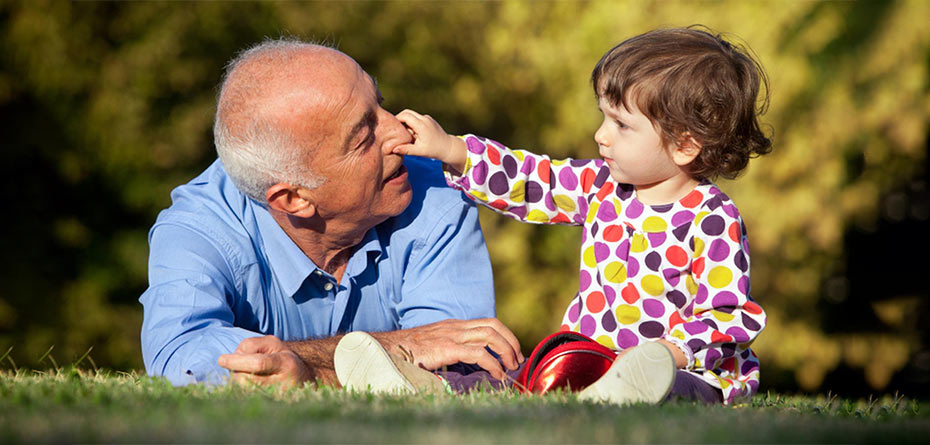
(566, 360)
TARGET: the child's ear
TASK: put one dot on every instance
(686, 149)
(291, 199)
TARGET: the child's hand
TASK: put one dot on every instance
(431, 141)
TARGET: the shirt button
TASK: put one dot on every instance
(317, 272)
(328, 286)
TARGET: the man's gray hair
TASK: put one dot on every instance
(256, 153)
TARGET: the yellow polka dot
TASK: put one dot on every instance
(678, 334)
(615, 272)
(558, 161)
(481, 196)
(627, 314)
(719, 277)
(467, 165)
(518, 191)
(697, 363)
(638, 243)
(618, 207)
(722, 316)
(692, 286)
(699, 217)
(537, 216)
(654, 224)
(698, 247)
(588, 256)
(606, 341)
(653, 285)
(520, 154)
(592, 212)
(564, 202)
(577, 328)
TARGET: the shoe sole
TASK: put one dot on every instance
(362, 364)
(645, 374)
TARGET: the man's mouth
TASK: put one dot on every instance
(398, 173)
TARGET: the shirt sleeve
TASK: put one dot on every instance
(530, 187)
(188, 321)
(449, 270)
(722, 320)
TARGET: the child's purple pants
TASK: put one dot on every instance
(464, 378)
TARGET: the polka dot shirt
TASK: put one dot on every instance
(678, 271)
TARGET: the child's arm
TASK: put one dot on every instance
(519, 184)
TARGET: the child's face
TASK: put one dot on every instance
(633, 147)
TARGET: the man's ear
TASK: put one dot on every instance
(686, 149)
(290, 199)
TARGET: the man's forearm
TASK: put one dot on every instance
(318, 355)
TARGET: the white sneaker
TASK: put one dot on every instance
(644, 374)
(362, 364)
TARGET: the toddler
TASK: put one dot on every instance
(664, 275)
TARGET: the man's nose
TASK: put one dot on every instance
(396, 132)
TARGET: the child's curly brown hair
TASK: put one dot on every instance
(690, 82)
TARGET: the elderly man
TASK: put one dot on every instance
(309, 227)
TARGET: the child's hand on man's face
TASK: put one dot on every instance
(431, 141)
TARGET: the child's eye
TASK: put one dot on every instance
(621, 124)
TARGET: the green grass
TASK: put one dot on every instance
(78, 406)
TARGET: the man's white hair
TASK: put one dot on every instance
(256, 153)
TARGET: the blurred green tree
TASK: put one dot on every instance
(107, 106)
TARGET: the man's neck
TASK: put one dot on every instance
(328, 244)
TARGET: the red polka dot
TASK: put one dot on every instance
(729, 364)
(674, 320)
(613, 233)
(587, 179)
(561, 218)
(717, 337)
(692, 199)
(676, 256)
(734, 232)
(493, 155)
(697, 267)
(605, 190)
(500, 204)
(630, 294)
(566, 327)
(752, 308)
(595, 302)
(543, 170)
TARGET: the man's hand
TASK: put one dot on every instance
(451, 341)
(265, 360)
(431, 141)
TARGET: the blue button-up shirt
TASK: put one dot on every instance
(222, 270)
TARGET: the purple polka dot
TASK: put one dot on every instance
(713, 225)
(594, 228)
(653, 308)
(627, 339)
(747, 367)
(479, 173)
(714, 190)
(672, 276)
(529, 164)
(584, 236)
(677, 298)
(694, 327)
(689, 309)
(623, 250)
(602, 176)
(568, 179)
(749, 323)
(738, 334)
(533, 191)
(510, 166)
(681, 231)
(656, 239)
(601, 252)
(498, 184)
(730, 210)
(743, 285)
(607, 212)
(584, 280)
(740, 261)
(701, 295)
(610, 295)
(624, 191)
(634, 209)
(653, 261)
(754, 385)
(475, 146)
(632, 267)
(651, 329)
(662, 208)
(711, 323)
(519, 211)
(724, 299)
(550, 203)
(588, 324)
(695, 344)
(710, 359)
(609, 321)
(682, 217)
(582, 208)
(719, 250)
(574, 312)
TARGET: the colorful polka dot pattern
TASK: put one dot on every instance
(677, 271)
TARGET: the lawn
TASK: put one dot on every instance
(84, 406)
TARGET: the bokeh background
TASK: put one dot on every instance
(106, 106)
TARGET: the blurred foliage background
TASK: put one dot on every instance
(106, 106)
